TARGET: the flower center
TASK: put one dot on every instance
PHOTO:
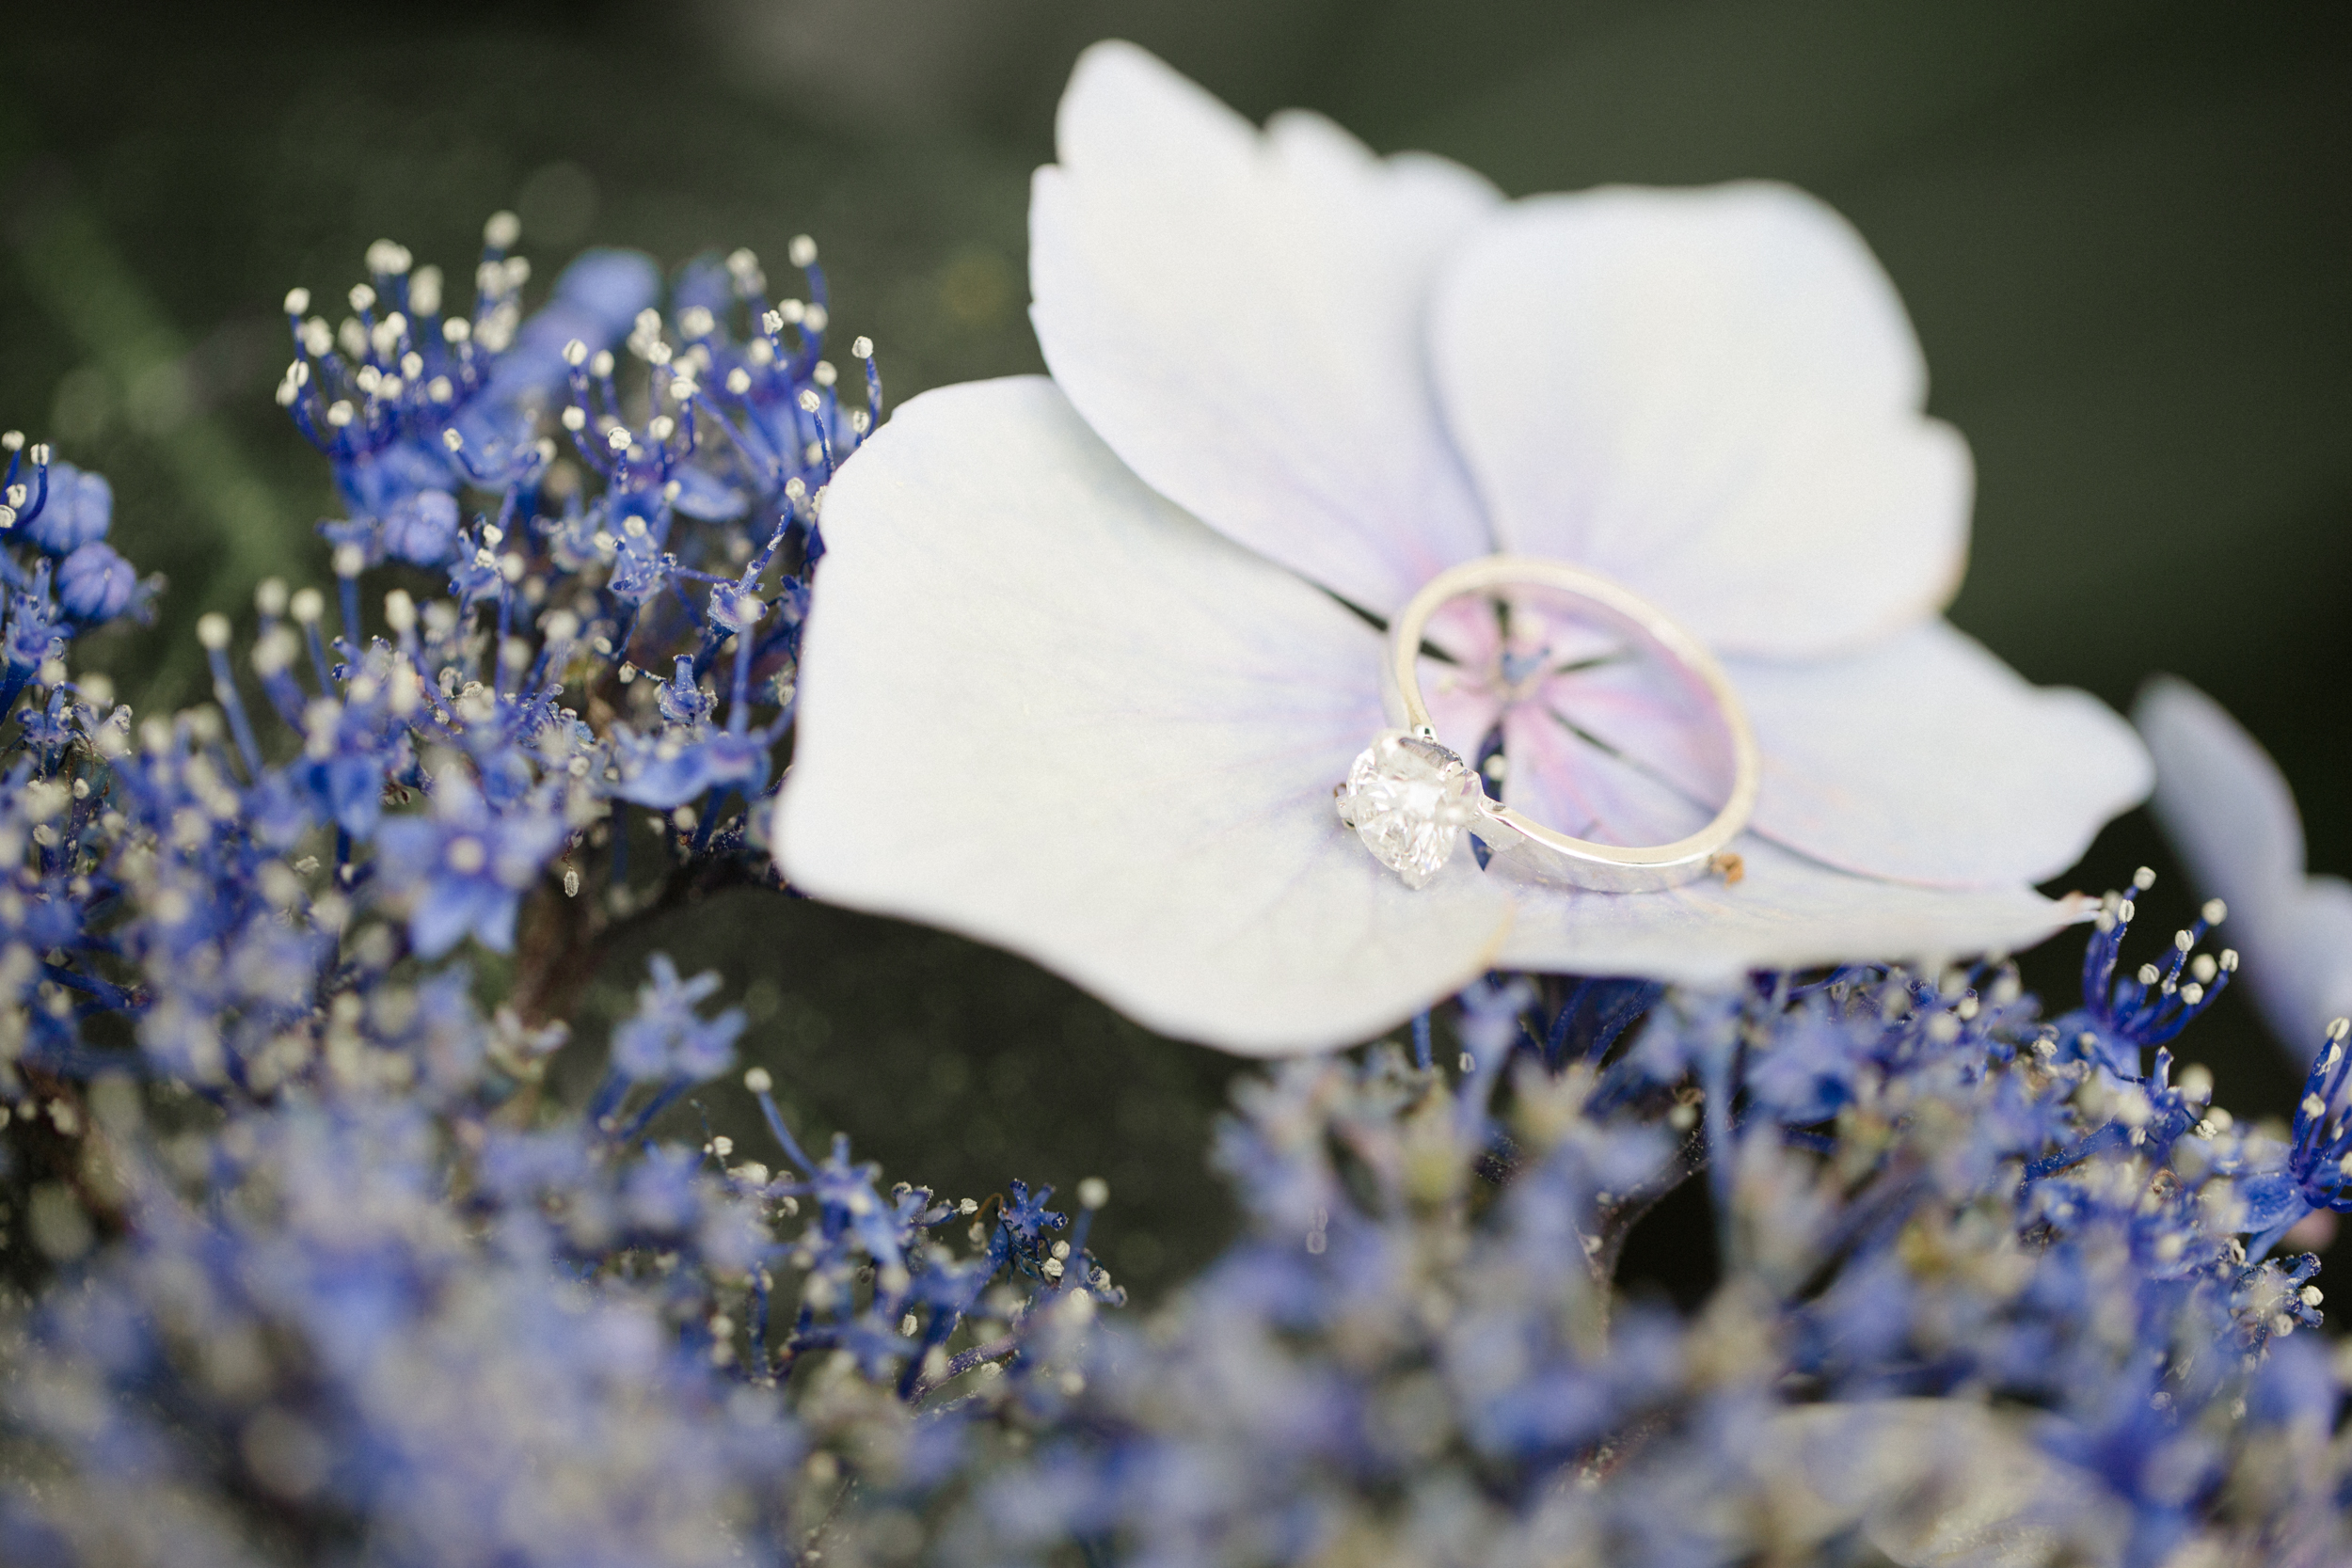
(1562, 718)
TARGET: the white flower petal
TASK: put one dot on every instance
(2300, 963)
(1240, 316)
(1712, 396)
(2232, 820)
(2220, 798)
(1041, 706)
(1929, 760)
(1564, 782)
(1785, 911)
(1925, 759)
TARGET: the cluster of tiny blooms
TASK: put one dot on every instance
(309, 1258)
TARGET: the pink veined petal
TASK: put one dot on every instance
(1712, 396)
(1239, 316)
(1041, 706)
(1463, 704)
(1565, 782)
(1627, 706)
(1785, 911)
(2230, 817)
(1925, 759)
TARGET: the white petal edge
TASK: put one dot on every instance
(1785, 912)
(1927, 759)
(1239, 316)
(1043, 706)
(2229, 814)
(1924, 759)
(1712, 396)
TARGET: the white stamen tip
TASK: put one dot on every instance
(213, 630)
(758, 1081)
(2143, 878)
(2215, 911)
(298, 301)
(801, 252)
(502, 230)
(387, 259)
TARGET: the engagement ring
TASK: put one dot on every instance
(1411, 800)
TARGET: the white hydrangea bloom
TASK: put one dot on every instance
(1078, 679)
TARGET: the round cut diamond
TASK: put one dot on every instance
(1408, 798)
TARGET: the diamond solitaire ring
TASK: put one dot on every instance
(1411, 799)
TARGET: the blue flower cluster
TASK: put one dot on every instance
(314, 1262)
(1982, 1289)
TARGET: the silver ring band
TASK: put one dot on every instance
(1408, 797)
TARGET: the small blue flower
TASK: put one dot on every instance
(664, 1039)
(666, 771)
(464, 867)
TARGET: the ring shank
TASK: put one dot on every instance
(1543, 852)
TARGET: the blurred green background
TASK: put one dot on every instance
(2122, 230)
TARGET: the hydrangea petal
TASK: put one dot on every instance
(1563, 780)
(1925, 759)
(1784, 912)
(2232, 820)
(1713, 397)
(1057, 714)
(1929, 760)
(1239, 316)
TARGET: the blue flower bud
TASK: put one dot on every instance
(95, 583)
(80, 508)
